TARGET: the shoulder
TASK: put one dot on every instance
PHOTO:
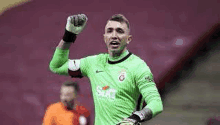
(53, 106)
(134, 59)
(138, 65)
(83, 110)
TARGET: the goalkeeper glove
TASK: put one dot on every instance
(137, 117)
(127, 121)
(75, 25)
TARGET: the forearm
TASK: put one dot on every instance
(146, 113)
(152, 98)
(151, 110)
(59, 62)
(155, 106)
(75, 25)
(64, 45)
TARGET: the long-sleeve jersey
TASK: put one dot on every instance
(116, 85)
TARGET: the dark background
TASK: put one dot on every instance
(166, 34)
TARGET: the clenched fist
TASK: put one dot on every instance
(76, 23)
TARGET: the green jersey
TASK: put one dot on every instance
(117, 86)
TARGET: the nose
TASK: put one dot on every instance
(114, 35)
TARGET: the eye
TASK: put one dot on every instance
(119, 30)
(109, 30)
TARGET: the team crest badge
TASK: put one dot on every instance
(122, 75)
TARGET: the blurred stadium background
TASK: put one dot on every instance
(179, 40)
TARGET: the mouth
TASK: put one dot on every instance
(114, 44)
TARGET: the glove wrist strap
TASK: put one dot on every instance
(69, 36)
(144, 115)
(135, 117)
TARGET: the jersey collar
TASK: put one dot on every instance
(123, 57)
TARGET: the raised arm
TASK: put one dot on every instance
(64, 45)
(60, 62)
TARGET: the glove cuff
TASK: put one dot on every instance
(144, 115)
(135, 117)
(69, 36)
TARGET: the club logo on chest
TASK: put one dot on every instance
(122, 75)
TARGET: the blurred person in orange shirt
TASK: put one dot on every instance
(67, 111)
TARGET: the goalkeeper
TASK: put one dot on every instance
(120, 80)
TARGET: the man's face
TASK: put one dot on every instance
(116, 36)
(67, 96)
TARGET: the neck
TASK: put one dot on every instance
(71, 106)
(115, 56)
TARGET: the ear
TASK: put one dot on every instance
(129, 39)
(104, 38)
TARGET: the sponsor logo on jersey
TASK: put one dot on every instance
(106, 92)
(122, 75)
(105, 87)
